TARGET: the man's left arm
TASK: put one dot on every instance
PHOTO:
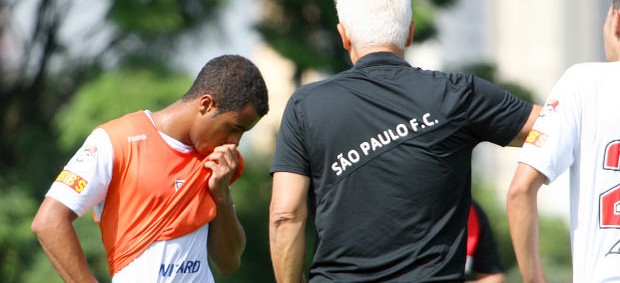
(518, 140)
(497, 116)
(227, 239)
(522, 210)
(288, 214)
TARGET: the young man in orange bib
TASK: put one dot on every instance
(158, 183)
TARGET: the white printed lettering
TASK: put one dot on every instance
(385, 137)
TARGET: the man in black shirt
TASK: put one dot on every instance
(383, 154)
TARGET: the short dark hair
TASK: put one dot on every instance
(234, 82)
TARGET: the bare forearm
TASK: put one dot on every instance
(226, 237)
(288, 243)
(59, 241)
(523, 220)
(522, 210)
(66, 256)
(288, 213)
(490, 278)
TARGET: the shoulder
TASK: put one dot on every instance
(322, 86)
(585, 79)
(132, 124)
(456, 79)
(415, 74)
(135, 116)
(593, 70)
(308, 96)
(594, 66)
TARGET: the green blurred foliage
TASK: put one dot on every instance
(114, 94)
(17, 242)
(160, 18)
(51, 66)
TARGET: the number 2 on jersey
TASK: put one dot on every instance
(609, 201)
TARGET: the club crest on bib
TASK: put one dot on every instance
(178, 184)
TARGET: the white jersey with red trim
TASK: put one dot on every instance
(579, 127)
(83, 185)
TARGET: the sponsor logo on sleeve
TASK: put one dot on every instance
(72, 180)
(550, 107)
(87, 153)
(536, 138)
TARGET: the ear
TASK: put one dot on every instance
(346, 42)
(206, 104)
(411, 31)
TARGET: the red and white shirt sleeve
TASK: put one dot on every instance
(83, 183)
(554, 139)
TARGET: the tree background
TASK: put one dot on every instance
(67, 77)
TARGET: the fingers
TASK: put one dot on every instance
(222, 162)
(225, 155)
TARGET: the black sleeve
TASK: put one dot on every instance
(290, 154)
(494, 114)
(486, 256)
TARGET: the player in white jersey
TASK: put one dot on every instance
(579, 129)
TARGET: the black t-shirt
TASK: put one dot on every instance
(388, 150)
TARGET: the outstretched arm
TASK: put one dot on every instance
(288, 214)
(226, 235)
(522, 210)
(53, 225)
(518, 140)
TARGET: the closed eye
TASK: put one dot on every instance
(239, 128)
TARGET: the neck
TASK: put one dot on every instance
(357, 53)
(172, 121)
